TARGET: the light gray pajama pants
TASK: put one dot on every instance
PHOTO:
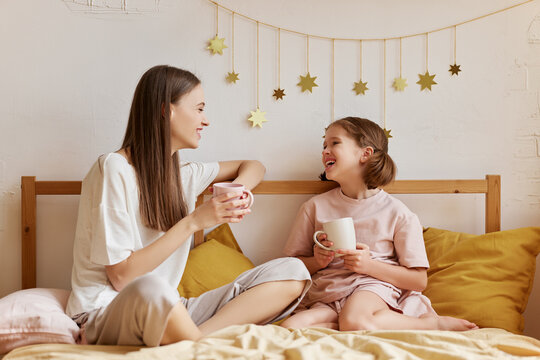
(138, 314)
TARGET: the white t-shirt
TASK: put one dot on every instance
(109, 228)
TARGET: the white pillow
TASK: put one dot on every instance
(35, 316)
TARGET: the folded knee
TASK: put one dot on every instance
(294, 288)
(149, 288)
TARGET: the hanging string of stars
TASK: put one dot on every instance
(216, 45)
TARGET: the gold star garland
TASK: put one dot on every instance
(455, 69)
(279, 93)
(400, 83)
(386, 131)
(333, 80)
(307, 83)
(232, 77)
(216, 45)
(360, 87)
(257, 117)
(426, 80)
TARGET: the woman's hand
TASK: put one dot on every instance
(246, 172)
(220, 209)
(323, 257)
(358, 260)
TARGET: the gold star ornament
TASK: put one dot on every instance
(307, 82)
(454, 69)
(232, 77)
(387, 133)
(257, 118)
(216, 45)
(426, 81)
(400, 84)
(279, 94)
(360, 87)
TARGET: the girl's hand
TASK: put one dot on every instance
(357, 260)
(219, 210)
(323, 257)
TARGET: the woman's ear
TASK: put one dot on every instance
(163, 111)
(366, 153)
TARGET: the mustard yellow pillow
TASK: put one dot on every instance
(223, 234)
(214, 263)
(486, 278)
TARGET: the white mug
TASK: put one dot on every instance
(340, 232)
(224, 187)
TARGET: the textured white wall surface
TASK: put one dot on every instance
(67, 75)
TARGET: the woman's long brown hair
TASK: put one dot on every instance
(148, 145)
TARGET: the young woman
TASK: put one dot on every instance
(136, 219)
(377, 285)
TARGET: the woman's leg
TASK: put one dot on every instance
(314, 317)
(257, 305)
(365, 310)
(266, 293)
(148, 311)
(180, 326)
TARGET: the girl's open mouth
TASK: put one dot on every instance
(328, 164)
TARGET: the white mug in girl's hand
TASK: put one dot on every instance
(224, 187)
(340, 232)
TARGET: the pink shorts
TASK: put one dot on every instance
(387, 294)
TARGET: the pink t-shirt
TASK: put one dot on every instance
(392, 232)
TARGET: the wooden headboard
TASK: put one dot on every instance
(490, 186)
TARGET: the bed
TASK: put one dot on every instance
(485, 278)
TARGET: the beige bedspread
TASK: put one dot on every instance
(274, 342)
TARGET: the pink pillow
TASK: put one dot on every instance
(35, 316)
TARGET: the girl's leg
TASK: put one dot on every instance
(315, 317)
(365, 310)
(257, 305)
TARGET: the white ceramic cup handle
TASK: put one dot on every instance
(317, 241)
(251, 198)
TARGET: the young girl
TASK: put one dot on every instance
(136, 219)
(377, 285)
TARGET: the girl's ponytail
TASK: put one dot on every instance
(380, 170)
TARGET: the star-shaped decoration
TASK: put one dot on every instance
(279, 93)
(387, 133)
(217, 45)
(400, 84)
(360, 87)
(426, 81)
(257, 118)
(307, 82)
(454, 69)
(232, 77)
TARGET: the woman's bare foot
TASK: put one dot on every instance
(455, 324)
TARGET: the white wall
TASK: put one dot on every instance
(67, 78)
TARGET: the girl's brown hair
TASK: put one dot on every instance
(148, 144)
(380, 169)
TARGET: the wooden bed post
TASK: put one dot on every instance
(28, 231)
(493, 203)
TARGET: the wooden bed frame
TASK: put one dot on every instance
(490, 186)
